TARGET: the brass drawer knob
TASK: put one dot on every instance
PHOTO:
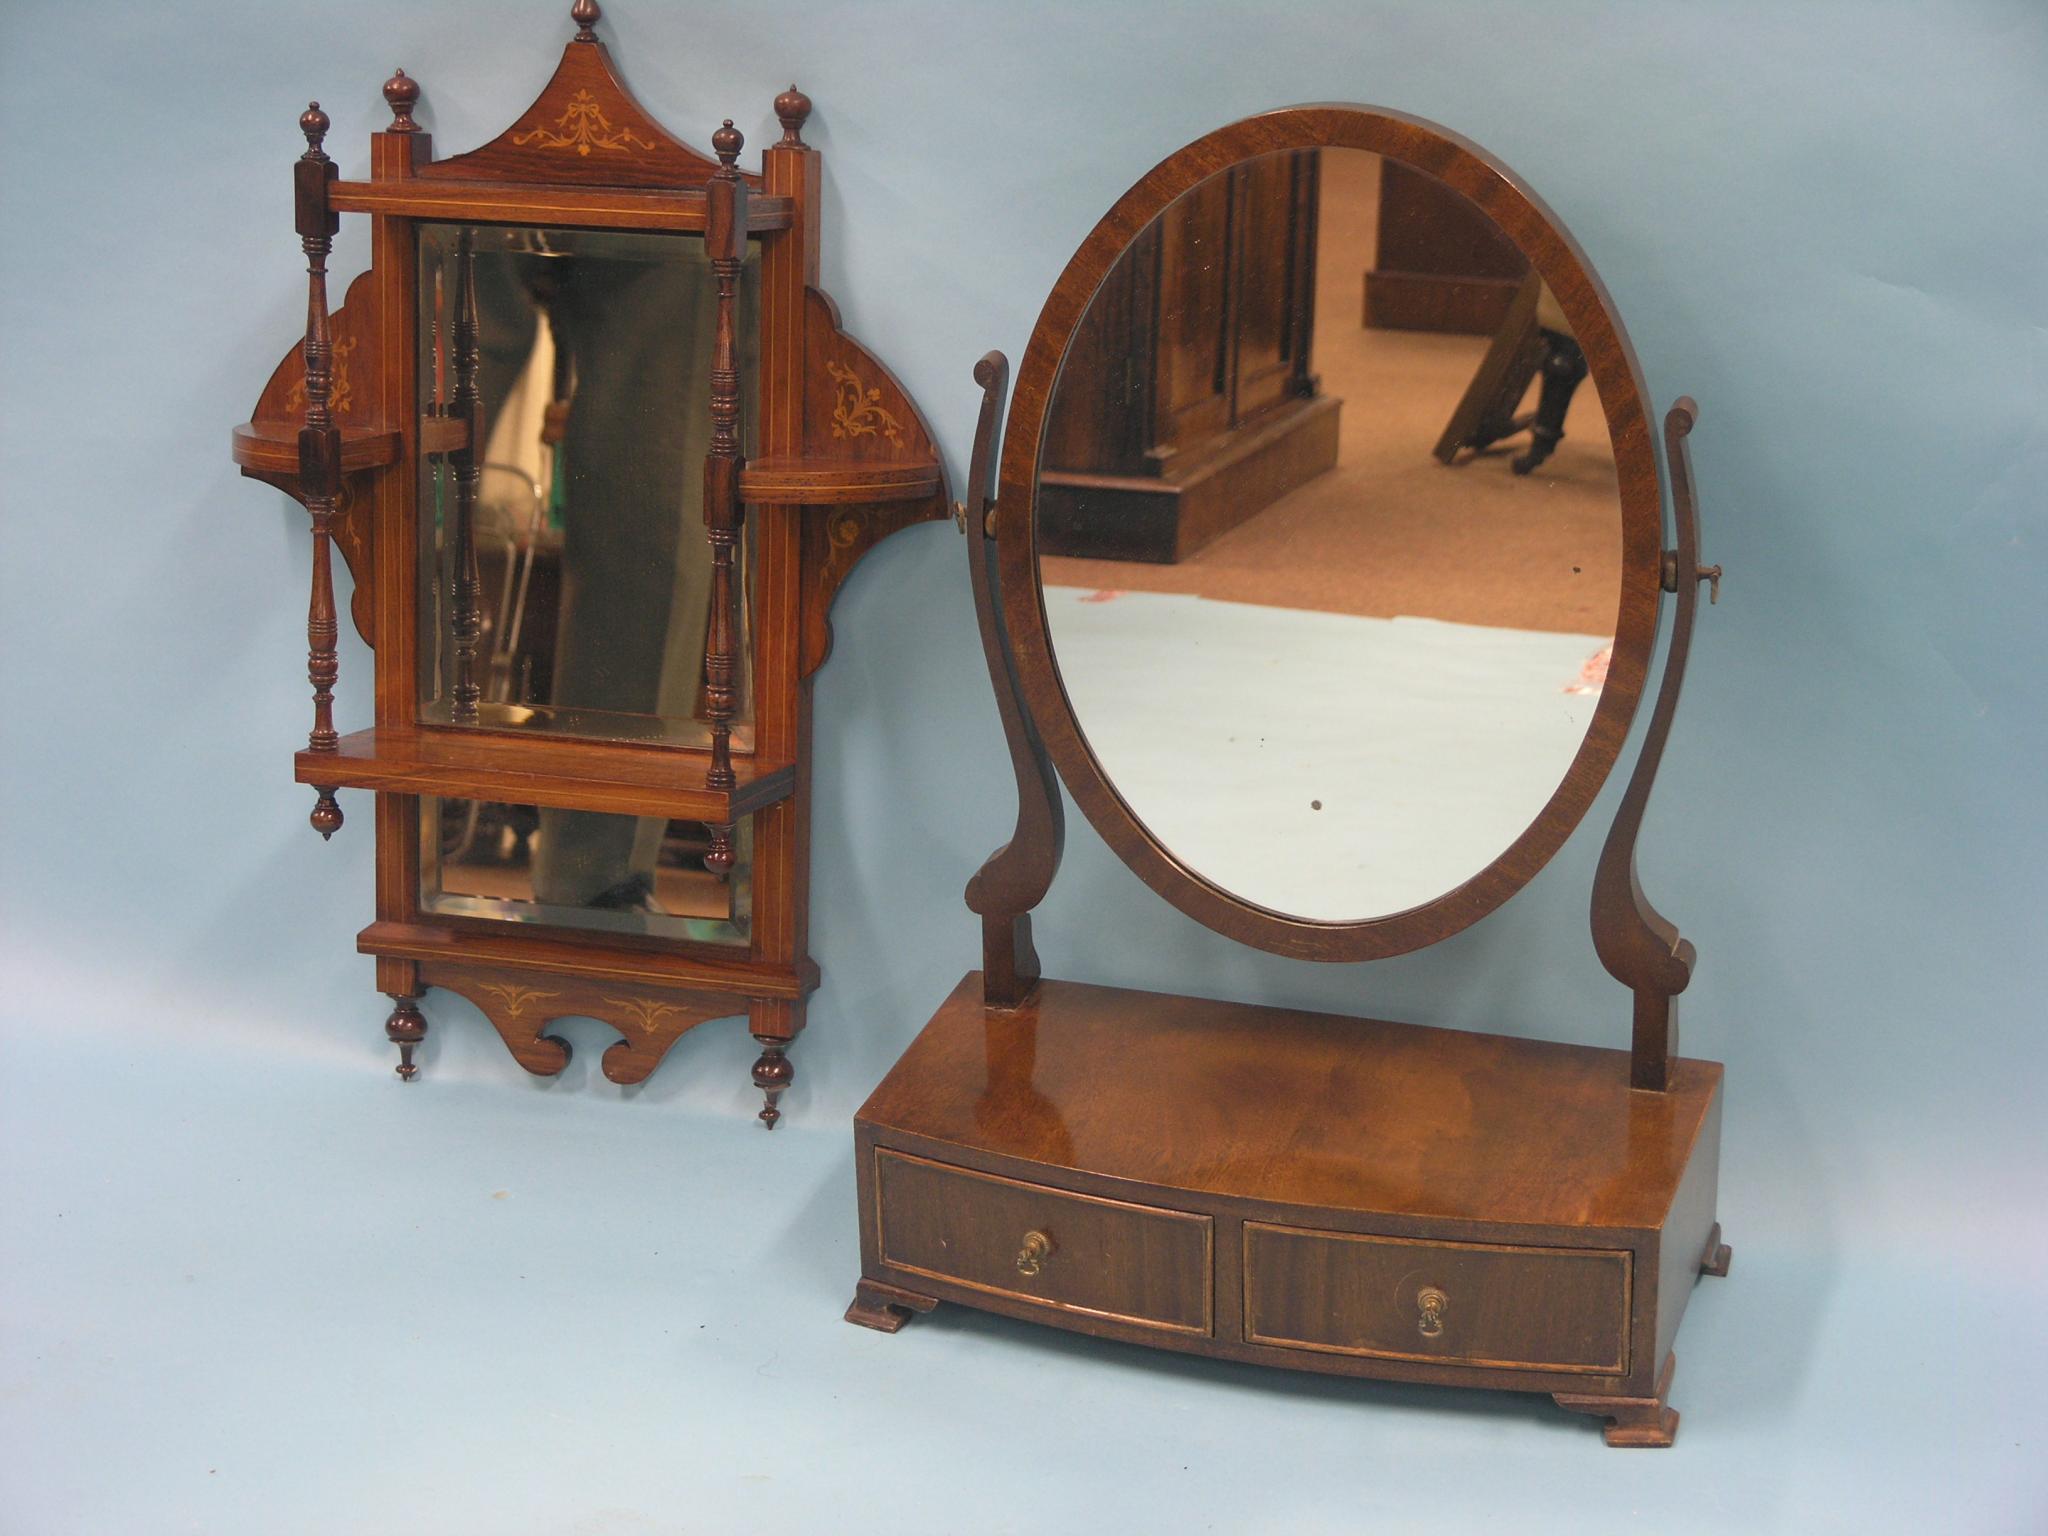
(1432, 1302)
(1032, 1256)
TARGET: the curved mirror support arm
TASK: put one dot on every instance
(1017, 875)
(1640, 947)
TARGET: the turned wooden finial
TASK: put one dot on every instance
(313, 124)
(401, 92)
(326, 817)
(727, 142)
(793, 109)
(585, 14)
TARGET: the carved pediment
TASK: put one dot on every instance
(585, 128)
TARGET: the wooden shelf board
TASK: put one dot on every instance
(620, 777)
(272, 447)
(588, 957)
(680, 209)
(835, 482)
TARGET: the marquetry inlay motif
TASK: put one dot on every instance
(341, 394)
(515, 1000)
(858, 411)
(645, 1011)
(583, 127)
(845, 529)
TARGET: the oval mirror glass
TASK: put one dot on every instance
(1329, 535)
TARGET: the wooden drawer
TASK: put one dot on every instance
(1130, 1263)
(1506, 1308)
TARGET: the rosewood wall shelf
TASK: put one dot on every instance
(381, 422)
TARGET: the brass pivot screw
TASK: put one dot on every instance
(988, 519)
(1032, 1256)
(1710, 574)
(1432, 1302)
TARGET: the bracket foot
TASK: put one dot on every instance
(1632, 1421)
(886, 1308)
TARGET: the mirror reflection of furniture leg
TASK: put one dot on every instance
(1534, 342)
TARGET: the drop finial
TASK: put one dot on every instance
(586, 14)
(326, 817)
(401, 92)
(313, 123)
(728, 141)
(792, 110)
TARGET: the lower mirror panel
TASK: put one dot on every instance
(581, 869)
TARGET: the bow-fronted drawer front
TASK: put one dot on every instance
(1075, 1253)
(1479, 1304)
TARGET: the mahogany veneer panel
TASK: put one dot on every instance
(1289, 1108)
(1134, 1262)
(1522, 1308)
(577, 775)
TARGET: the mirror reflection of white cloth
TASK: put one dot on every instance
(1391, 759)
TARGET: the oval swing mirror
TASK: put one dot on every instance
(1344, 529)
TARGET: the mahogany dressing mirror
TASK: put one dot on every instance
(1324, 570)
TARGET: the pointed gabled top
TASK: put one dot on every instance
(585, 129)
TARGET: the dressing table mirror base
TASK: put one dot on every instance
(1350, 1196)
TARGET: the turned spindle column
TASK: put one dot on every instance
(725, 241)
(319, 446)
(466, 466)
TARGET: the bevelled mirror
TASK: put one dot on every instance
(593, 376)
(1323, 569)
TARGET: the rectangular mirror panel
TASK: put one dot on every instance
(592, 363)
(581, 869)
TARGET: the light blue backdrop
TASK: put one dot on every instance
(249, 1283)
